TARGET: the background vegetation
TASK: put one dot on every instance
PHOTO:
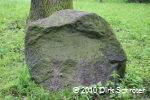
(130, 21)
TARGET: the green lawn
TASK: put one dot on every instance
(130, 22)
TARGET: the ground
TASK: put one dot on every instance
(130, 22)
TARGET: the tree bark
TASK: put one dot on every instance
(43, 8)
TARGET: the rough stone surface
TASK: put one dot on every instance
(72, 48)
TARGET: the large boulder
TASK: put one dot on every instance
(72, 48)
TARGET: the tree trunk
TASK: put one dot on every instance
(101, 1)
(44, 8)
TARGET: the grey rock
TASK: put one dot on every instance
(72, 48)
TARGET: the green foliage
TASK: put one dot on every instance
(143, 1)
(130, 22)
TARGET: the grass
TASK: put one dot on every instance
(130, 21)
